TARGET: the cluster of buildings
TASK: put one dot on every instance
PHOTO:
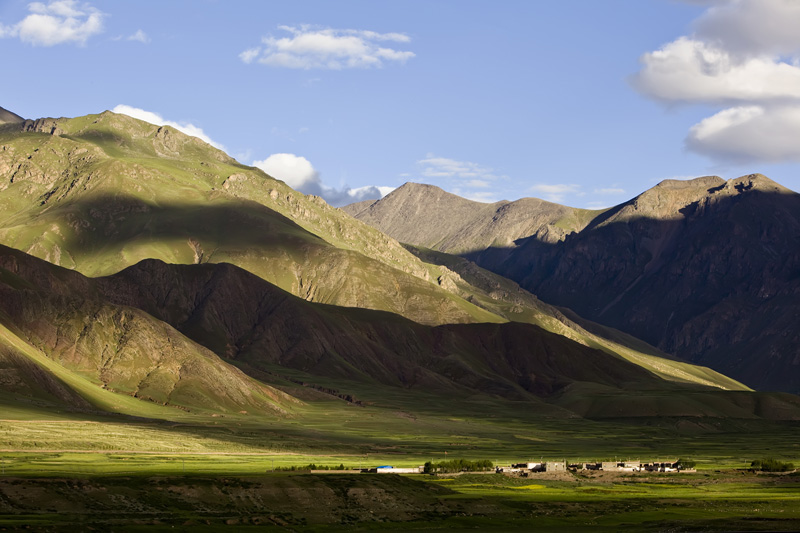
(605, 466)
(523, 469)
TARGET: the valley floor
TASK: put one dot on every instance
(720, 500)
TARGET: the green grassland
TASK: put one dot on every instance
(721, 501)
(207, 471)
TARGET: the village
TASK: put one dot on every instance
(532, 468)
(604, 466)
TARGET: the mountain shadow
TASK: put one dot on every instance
(708, 270)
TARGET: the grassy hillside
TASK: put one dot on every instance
(103, 192)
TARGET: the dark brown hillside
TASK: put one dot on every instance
(706, 269)
(243, 317)
(263, 328)
(119, 332)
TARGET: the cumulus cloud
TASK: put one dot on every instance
(752, 27)
(58, 22)
(688, 70)
(308, 47)
(294, 170)
(749, 133)
(158, 120)
(555, 192)
(299, 174)
(743, 54)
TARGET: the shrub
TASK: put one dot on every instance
(684, 464)
(771, 465)
(458, 465)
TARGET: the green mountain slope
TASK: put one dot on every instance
(102, 192)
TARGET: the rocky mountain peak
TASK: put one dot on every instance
(757, 182)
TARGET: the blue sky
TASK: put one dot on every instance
(583, 102)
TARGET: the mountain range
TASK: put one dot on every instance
(705, 269)
(143, 270)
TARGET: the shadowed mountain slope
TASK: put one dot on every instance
(706, 269)
(266, 329)
(247, 319)
(114, 332)
(60, 341)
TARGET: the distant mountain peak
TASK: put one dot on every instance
(7, 117)
(414, 188)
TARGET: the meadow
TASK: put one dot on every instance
(204, 472)
(723, 500)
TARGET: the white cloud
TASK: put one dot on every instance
(139, 36)
(753, 27)
(299, 174)
(749, 133)
(158, 120)
(296, 171)
(58, 22)
(308, 47)
(249, 55)
(688, 70)
(555, 192)
(744, 54)
(609, 190)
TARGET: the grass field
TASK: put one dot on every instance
(718, 501)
